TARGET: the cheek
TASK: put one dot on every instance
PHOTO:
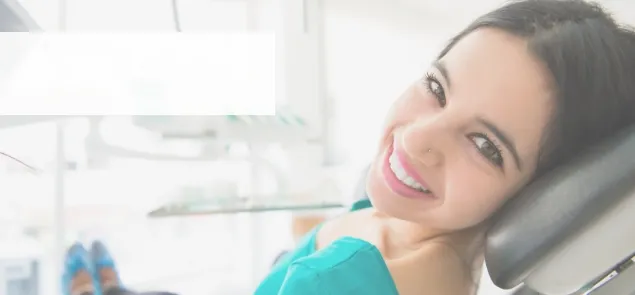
(403, 110)
(472, 196)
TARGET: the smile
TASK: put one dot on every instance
(400, 172)
(401, 178)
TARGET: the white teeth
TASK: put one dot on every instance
(401, 174)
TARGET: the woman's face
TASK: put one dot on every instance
(465, 137)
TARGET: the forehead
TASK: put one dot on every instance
(494, 76)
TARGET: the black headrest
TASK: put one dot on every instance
(14, 18)
(557, 206)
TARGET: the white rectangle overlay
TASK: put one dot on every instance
(140, 74)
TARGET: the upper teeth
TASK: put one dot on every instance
(401, 174)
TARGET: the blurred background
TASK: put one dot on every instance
(180, 200)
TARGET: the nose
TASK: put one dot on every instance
(427, 140)
(431, 158)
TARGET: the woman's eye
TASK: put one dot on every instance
(434, 87)
(488, 149)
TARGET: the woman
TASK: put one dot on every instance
(520, 91)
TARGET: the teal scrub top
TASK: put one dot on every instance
(347, 266)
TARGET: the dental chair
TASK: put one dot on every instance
(570, 232)
(573, 230)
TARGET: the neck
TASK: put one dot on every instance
(409, 234)
(405, 233)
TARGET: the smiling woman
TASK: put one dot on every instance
(520, 91)
(476, 122)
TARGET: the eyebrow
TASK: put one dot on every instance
(504, 138)
(444, 71)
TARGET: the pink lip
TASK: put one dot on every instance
(395, 184)
(401, 156)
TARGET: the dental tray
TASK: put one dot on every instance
(241, 205)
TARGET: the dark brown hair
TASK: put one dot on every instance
(591, 60)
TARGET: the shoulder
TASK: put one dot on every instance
(348, 224)
(346, 266)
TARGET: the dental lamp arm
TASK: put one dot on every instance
(96, 142)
